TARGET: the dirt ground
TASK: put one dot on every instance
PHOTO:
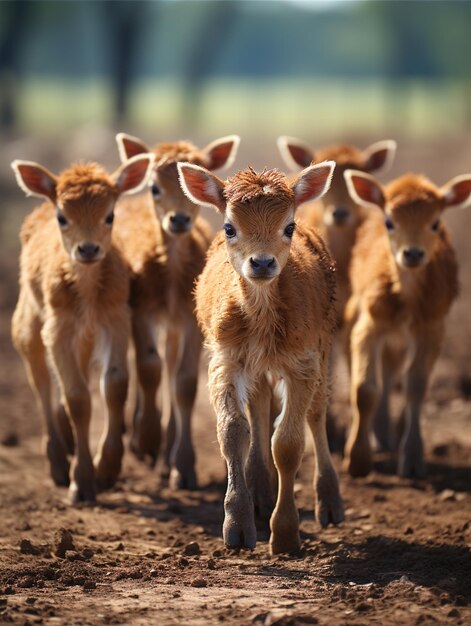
(146, 555)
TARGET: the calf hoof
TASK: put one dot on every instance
(144, 452)
(183, 480)
(411, 466)
(358, 460)
(83, 494)
(59, 464)
(329, 511)
(239, 535)
(285, 545)
(105, 478)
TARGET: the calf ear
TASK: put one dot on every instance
(294, 152)
(313, 182)
(221, 153)
(129, 146)
(364, 189)
(380, 155)
(133, 175)
(201, 187)
(457, 192)
(35, 180)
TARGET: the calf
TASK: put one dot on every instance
(165, 242)
(73, 308)
(404, 280)
(265, 302)
(337, 215)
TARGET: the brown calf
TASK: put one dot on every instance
(265, 302)
(73, 309)
(165, 242)
(337, 215)
(404, 280)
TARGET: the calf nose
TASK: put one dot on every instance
(413, 256)
(180, 219)
(340, 214)
(88, 251)
(262, 263)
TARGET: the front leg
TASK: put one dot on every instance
(260, 468)
(288, 448)
(71, 367)
(411, 455)
(329, 505)
(364, 350)
(114, 387)
(234, 439)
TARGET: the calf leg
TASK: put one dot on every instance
(26, 331)
(258, 472)
(146, 435)
(364, 349)
(75, 396)
(411, 455)
(329, 505)
(392, 360)
(287, 448)
(114, 386)
(182, 458)
(234, 439)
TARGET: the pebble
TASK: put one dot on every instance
(192, 549)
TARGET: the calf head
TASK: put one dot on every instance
(174, 209)
(258, 212)
(84, 197)
(413, 208)
(339, 209)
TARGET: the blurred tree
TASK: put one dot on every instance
(124, 20)
(16, 18)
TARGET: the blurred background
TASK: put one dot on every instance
(74, 73)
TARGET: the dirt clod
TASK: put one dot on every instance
(63, 542)
(192, 549)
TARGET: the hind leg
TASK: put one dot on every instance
(26, 332)
(114, 386)
(184, 388)
(146, 434)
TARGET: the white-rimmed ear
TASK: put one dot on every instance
(35, 180)
(294, 152)
(129, 146)
(313, 182)
(380, 155)
(132, 176)
(221, 153)
(364, 189)
(201, 187)
(457, 192)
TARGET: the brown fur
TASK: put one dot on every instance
(394, 307)
(70, 314)
(281, 329)
(164, 266)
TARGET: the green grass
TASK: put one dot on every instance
(265, 107)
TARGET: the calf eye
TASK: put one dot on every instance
(289, 230)
(389, 223)
(230, 231)
(436, 225)
(155, 190)
(109, 219)
(61, 219)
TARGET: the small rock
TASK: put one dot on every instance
(199, 582)
(211, 564)
(192, 549)
(119, 547)
(30, 600)
(454, 613)
(217, 554)
(409, 531)
(63, 542)
(154, 572)
(183, 562)
(26, 547)
(87, 553)
(447, 495)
